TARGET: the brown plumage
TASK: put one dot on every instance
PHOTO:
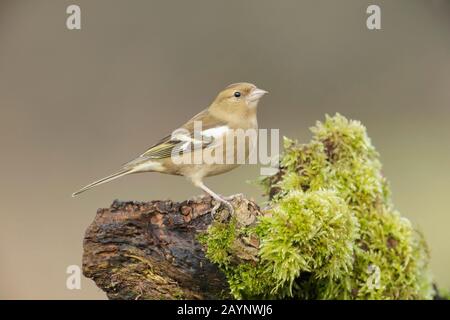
(233, 108)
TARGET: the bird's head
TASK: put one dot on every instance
(238, 98)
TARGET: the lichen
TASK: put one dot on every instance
(332, 231)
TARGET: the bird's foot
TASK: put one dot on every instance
(214, 209)
(219, 202)
(233, 196)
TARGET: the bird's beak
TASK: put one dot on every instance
(256, 94)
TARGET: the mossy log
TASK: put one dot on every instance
(331, 231)
(150, 250)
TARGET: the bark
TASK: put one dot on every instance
(149, 250)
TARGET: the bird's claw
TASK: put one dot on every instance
(218, 204)
(233, 196)
(214, 209)
(230, 207)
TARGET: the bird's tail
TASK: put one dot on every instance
(104, 180)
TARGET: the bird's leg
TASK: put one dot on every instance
(218, 198)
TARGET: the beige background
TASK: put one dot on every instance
(75, 105)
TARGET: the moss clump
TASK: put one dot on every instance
(331, 232)
(219, 240)
(309, 233)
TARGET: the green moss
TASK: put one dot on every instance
(309, 233)
(219, 241)
(332, 231)
(443, 294)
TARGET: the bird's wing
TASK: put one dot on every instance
(184, 139)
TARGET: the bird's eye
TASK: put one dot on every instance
(237, 94)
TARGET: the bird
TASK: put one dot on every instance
(205, 134)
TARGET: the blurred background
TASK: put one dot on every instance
(75, 105)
